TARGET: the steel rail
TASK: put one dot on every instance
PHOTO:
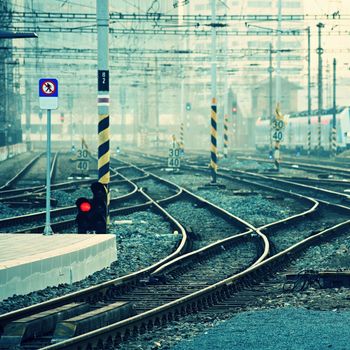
(220, 243)
(176, 303)
(26, 168)
(99, 291)
(338, 195)
(303, 166)
(62, 185)
(71, 210)
(70, 185)
(193, 302)
(21, 313)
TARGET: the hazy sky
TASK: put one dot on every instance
(326, 6)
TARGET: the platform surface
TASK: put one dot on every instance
(31, 262)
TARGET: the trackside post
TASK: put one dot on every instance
(48, 99)
(102, 7)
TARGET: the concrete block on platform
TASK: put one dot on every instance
(30, 262)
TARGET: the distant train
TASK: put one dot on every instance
(296, 130)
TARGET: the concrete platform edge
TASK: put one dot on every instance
(64, 265)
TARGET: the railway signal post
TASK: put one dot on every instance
(102, 7)
(48, 99)
(92, 213)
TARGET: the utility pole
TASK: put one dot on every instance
(308, 91)
(183, 109)
(40, 115)
(226, 99)
(157, 102)
(136, 117)
(270, 70)
(28, 113)
(334, 124)
(279, 116)
(28, 85)
(102, 7)
(320, 84)
(122, 100)
(145, 114)
(70, 108)
(213, 149)
(328, 85)
(278, 54)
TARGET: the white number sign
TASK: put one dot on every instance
(174, 158)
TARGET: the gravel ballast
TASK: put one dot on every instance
(237, 198)
(143, 238)
(285, 328)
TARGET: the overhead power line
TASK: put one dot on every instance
(161, 17)
(159, 31)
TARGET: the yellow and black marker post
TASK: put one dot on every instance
(278, 125)
(334, 142)
(102, 7)
(334, 118)
(225, 136)
(213, 149)
(213, 107)
(182, 144)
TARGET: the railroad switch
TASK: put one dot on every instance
(321, 279)
(212, 185)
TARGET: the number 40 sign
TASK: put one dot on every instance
(174, 158)
(278, 126)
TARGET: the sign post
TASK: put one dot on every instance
(174, 155)
(278, 126)
(48, 99)
(102, 16)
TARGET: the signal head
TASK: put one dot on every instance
(83, 204)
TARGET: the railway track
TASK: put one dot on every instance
(26, 184)
(193, 297)
(320, 170)
(180, 227)
(32, 176)
(123, 193)
(197, 301)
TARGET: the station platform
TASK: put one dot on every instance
(30, 262)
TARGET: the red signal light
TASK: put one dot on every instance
(85, 207)
(234, 110)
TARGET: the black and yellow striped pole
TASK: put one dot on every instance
(308, 91)
(334, 120)
(213, 148)
(213, 107)
(225, 136)
(182, 144)
(102, 7)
